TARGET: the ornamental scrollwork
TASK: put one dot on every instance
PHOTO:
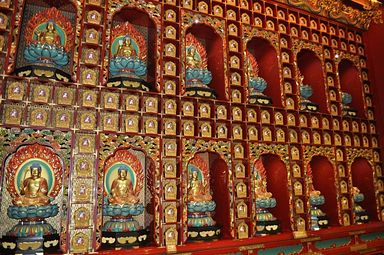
(311, 151)
(256, 150)
(354, 153)
(250, 32)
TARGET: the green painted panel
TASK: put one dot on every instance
(372, 236)
(286, 249)
(332, 242)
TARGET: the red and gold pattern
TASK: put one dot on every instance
(259, 166)
(199, 162)
(126, 157)
(253, 63)
(34, 151)
(128, 29)
(51, 14)
(190, 40)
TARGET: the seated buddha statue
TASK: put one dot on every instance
(125, 49)
(49, 35)
(33, 190)
(192, 60)
(197, 190)
(261, 189)
(122, 189)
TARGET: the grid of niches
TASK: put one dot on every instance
(52, 105)
(7, 9)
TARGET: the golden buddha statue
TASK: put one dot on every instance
(122, 189)
(49, 35)
(33, 190)
(261, 189)
(191, 59)
(125, 49)
(197, 190)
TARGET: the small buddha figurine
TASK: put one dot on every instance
(125, 49)
(34, 189)
(122, 189)
(49, 35)
(192, 60)
(261, 189)
(197, 190)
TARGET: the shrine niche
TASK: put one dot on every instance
(204, 223)
(365, 202)
(311, 81)
(352, 88)
(204, 63)
(322, 192)
(132, 56)
(32, 197)
(46, 49)
(127, 197)
(262, 68)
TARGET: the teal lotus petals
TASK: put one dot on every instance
(306, 91)
(123, 210)
(22, 212)
(316, 200)
(201, 75)
(202, 221)
(346, 98)
(45, 53)
(265, 202)
(127, 66)
(206, 206)
(358, 198)
(257, 85)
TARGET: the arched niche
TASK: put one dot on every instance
(362, 178)
(323, 178)
(266, 57)
(350, 83)
(144, 25)
(213, 45)
(39, 13)
(277, 184)
(140, 171)
(310, 67)
(218, 172)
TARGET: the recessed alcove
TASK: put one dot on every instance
(218, 182)
(323, 177)
(147, 28)
(310, 67)
(36, 16)
(277, 184)
(362, 178)
(350, 83)
(213, 45)
(266, 57)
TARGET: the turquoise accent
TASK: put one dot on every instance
(200, 221)
(358, 197)
(121, 225)
(123, 210)
(197, 76)
(306, 91)
(372, 236)
(205, 206)
(23, 212)
(193, 168)
(265, 202)
(346, 98)
(46, 54)
(316, 200)
(119, 39)
(264, 215)
(46, 172)
(32, 229)
(127, 67)
(286, 249)
(59, 30)
(257, 85)
(332, 242)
